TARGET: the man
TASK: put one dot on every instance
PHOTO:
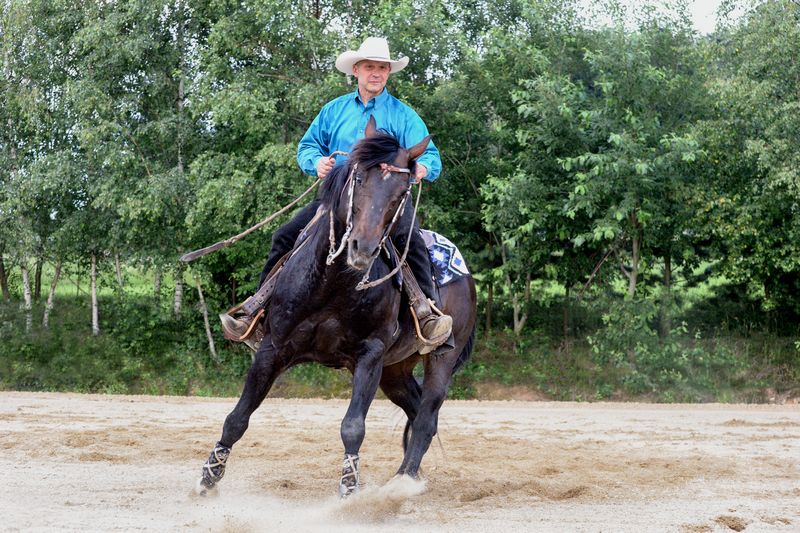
(337, 127)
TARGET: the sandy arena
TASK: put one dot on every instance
(129, 463)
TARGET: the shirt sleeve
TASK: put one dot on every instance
(313, 145)
(415, 132)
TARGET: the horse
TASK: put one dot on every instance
(318, 315)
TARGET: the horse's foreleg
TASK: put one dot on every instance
(366, 377)
(424, 426)
(260, 378)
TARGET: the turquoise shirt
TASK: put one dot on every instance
(342, 122)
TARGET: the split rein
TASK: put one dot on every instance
(334, 252)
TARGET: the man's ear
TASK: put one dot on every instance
(372, 128)
(417, 150)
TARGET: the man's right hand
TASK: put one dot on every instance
(324, 166)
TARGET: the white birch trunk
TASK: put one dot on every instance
(26, 294)
(48, 306)
(178, 303)
(95, 316)
(204, 310)
(118, 271)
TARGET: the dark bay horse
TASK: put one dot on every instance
(317, 314)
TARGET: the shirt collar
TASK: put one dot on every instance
(378, 100)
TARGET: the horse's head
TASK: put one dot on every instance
(381, 175)
(382, 181)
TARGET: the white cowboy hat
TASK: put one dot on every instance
(374, 49)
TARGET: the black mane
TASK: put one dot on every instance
(368, 152)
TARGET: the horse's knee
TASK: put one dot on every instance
(353, 430)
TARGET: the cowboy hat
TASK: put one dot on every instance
(374, 49)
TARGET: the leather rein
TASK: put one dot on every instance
(387, 170)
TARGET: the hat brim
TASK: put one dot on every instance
(346, 60)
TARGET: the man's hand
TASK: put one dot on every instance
(420, 173)
(324, 166)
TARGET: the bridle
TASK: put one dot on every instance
(387, 170)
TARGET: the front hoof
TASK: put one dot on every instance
(213, 469)
(350, 482)
(202, 489)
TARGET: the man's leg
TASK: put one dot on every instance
(432, 325)
(284, 237)
(283, 241)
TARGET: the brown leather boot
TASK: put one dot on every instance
(435, 328)
(241, 329)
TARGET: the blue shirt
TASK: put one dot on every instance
(342, 122)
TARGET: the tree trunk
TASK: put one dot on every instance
(157, 285)
(37, 279)
(178, 304)
(4, 280)
(520, 317)
(565, 316)
(95, 315)
(666, 321)
(635, 245)
(48, 306)
(489, 305)
(26, 297)
(204, 310)
(118, 272)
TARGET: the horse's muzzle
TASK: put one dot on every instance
(359, 261)
(360, 257)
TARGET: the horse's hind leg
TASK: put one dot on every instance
(424, 426)
(366, 377)
(260, 378)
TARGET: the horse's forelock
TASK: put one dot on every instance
(372, 151)
(367, 153)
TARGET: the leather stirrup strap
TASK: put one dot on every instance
(259, 300)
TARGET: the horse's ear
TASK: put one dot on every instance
(417, 150)
(372, 127)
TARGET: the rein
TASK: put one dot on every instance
(335, 251)
(191, 256)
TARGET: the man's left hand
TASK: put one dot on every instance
(420, 173)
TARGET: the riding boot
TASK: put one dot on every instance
(435, 328)
(237, 323)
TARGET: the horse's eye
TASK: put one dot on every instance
(358, 178)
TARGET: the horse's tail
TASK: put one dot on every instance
(465, 353)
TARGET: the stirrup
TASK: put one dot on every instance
(444, 321)
(243, 328)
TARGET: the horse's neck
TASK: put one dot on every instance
(319, 248)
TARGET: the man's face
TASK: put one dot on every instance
(372, 76)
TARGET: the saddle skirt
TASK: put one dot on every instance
(446, 260)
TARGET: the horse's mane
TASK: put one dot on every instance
(368, 152)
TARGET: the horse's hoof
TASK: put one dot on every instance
(350, 482)
(346, 492)
(201, 489)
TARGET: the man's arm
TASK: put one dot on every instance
(415, 131)
(313, 146)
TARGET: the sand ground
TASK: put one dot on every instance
(128, 463)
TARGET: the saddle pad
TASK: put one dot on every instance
(447, 262)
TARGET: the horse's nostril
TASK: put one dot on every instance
(355, 245)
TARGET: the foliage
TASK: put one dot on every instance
(596, 177)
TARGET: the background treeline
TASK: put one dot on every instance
(625, 190)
